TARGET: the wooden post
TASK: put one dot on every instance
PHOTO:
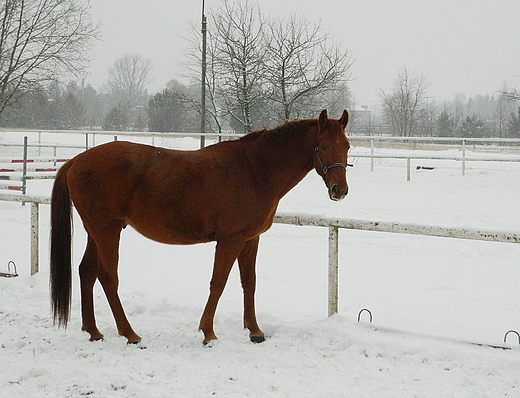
(333, 269)
(35, 221)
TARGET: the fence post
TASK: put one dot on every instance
(407, 169)
(463, 157)
(333, 269)
(35, 221)
(24, 172)
(372, 154)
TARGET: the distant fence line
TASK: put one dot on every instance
(231, 134)
(333, 225)
(461, 143)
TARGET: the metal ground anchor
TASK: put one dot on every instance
(514, 332)
(364, 310)
(9, 273)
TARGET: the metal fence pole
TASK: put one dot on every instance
(24, 172)
(463, 157)
(372, 153)
(333, 269)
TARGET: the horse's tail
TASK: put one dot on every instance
(61, 252)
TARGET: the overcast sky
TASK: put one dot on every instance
(460, 46)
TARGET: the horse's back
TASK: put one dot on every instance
(103, 181)
(167, 195)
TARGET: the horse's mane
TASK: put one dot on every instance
(287, 132)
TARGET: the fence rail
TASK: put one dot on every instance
(47, 165)
(461, 143)
(333, 225)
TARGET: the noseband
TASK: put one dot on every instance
(326, 168)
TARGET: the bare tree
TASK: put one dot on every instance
(262, 70)
(511, 94)
(502, 111)
(39, 40)
(239, 50)
(213, 105)
(401, 106)
(302, 64)
(127, 85)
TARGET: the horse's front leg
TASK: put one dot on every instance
(226, 253)
(247, 265)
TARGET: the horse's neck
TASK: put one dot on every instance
(286, 163)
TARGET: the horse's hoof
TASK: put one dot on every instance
(137, 344)
(101, 338)
(209, 343)
(257, 339)
(133, 342)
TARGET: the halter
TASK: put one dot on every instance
(326, 168)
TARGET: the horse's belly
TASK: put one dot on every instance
(172, 235)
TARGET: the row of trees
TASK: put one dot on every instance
(265, 70)
(117, 107)
(40, 40)
(408, 111)
(260, 71)
(177, 108)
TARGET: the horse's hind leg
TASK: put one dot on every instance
(247, 264)
(107, 275)
(226, 253)
(87, 276)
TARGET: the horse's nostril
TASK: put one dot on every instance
(334, 189)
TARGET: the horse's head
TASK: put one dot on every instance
(330, 155)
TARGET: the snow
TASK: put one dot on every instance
(429, 297)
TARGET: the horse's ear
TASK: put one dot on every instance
(322, 121)
(344, 119)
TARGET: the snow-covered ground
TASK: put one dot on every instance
(428, 297)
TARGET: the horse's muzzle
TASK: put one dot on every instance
(337, 194)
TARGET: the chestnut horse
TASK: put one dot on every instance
(227, 192)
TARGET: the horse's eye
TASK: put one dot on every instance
(323, 148)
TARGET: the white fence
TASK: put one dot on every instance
(333, 224)
(21, 169)
(459, 143)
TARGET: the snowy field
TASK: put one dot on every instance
(429, 297)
